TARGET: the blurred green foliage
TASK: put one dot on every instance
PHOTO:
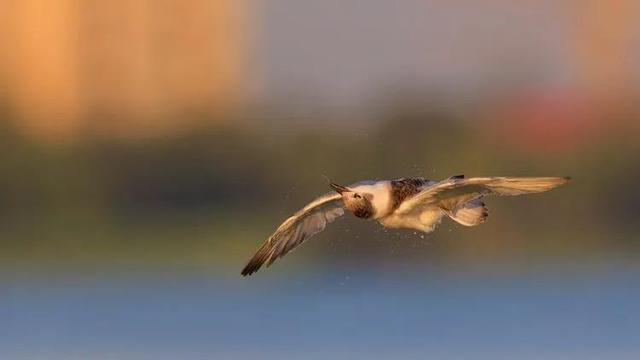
(207, 196)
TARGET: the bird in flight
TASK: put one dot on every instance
(416, 203)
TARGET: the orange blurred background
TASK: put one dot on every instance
(132, 68)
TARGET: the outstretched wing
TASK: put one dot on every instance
(297, 229)
(453, 191)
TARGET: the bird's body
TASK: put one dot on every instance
(415, 203)
(387, 197)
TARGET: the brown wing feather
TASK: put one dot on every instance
(295, 230)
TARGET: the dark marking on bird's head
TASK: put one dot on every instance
(358, 204)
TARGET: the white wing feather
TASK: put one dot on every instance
(451, 192)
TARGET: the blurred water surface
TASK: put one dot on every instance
(341, 315)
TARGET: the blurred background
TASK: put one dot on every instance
(148, 147)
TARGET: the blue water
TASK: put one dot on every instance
(342, 315)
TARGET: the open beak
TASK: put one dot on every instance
(338, 188)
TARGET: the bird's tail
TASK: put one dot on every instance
(471, 213)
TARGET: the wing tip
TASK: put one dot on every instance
(562, 180)
(252, 267)
(246, 272)
(258, 259)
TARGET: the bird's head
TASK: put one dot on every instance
(358, 203)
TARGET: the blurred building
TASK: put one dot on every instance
(142, 66)
(70, 67)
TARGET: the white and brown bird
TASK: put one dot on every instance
(417, 204)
